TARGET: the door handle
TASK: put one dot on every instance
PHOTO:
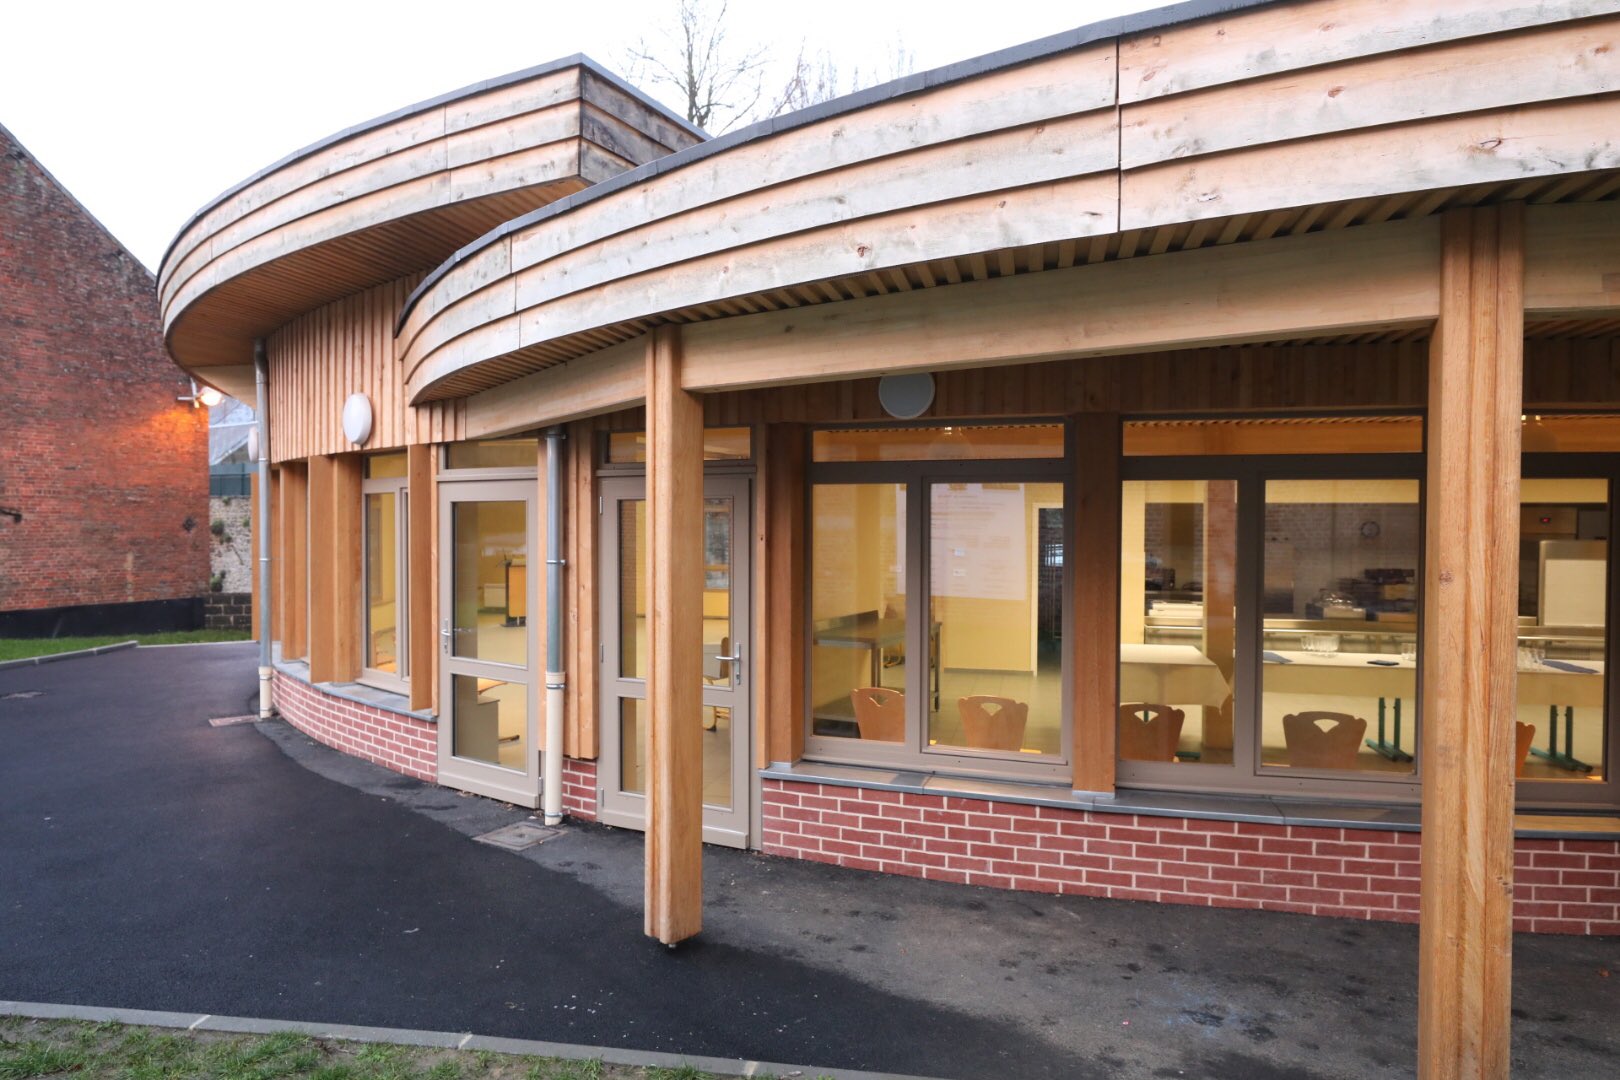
(736, 660)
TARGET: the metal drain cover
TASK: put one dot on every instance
(524, 834)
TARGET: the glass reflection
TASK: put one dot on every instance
(491, 721)
(489, 590)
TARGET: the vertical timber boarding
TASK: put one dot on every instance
(1094, 591)
(334, 567)
(674, 890)
(1469, 647)
(294, 511)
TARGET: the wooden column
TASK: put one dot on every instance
(1094, 585)
(295, 563)
(674, 680)
(580, 520)
(1220, 600)
(334, 568)
(1470, 609)
(421, 574)
(253, 553)
(781, 652)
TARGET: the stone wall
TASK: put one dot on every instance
(230, 559)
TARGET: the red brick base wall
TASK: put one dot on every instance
(1563, 886)
(579, 789)
(396, 741)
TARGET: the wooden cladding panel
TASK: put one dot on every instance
(781, 616)
(580, 526)
(347, 347)
(1353, 99)
(334, 567)
(293, 582)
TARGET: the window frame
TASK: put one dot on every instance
(399, 487)
(1247, 774)
(914, 754)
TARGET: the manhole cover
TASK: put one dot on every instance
(525, 834)
(227, 721)
(22, 695)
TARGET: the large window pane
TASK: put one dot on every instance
(1338, 678)
(490, 586)
(1563, 629)
(633, 585)
(858, 611)
(1178, 590)
(382, 581)
(994, 664)
(491, 720)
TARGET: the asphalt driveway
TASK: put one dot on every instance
(148, 860)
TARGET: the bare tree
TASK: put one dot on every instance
(722, 83)
(817, 78)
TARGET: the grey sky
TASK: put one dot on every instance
(147, 111)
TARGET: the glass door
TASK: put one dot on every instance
(724, 716)
(488, 707)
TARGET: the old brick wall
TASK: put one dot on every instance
(103, 474)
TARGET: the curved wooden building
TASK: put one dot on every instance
(1172, 460)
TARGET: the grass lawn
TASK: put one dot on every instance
(22, 648)
(30, 1048)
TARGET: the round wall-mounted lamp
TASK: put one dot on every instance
(206, 396)
(906, 397)
(357, 419)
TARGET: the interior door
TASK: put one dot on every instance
(488, 694)
(727, 658)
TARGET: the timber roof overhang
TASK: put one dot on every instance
(1192, 127)
(394, 196)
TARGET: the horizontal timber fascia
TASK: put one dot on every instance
(1028, 52)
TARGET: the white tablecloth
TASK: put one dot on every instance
(1170, 675)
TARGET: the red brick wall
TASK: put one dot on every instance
(393, 740)
(104, 465)
(1564, 886)
(579, 789)
(399, 742)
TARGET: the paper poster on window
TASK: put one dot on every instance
(980, 541)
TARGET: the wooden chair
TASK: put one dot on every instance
(1312, 746)
(1523, 735)
(993, 723)
(880, 713)
(1149, 732)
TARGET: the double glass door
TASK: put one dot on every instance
(727, 658)
(489, 697)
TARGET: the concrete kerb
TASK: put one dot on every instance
(445, 1040)
(51, 658)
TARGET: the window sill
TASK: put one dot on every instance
(358, 693)
(1247, 808)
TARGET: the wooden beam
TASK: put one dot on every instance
(674, 682)
(421, 573)
(1470, 609)
(1572, 259)
(322, 568)
(580, 622)
(1372, 277)
(295, 545)
(595, 383)
(781, 652)
(1094, 587)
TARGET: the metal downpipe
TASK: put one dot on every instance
(556, 679)
(261, 406)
